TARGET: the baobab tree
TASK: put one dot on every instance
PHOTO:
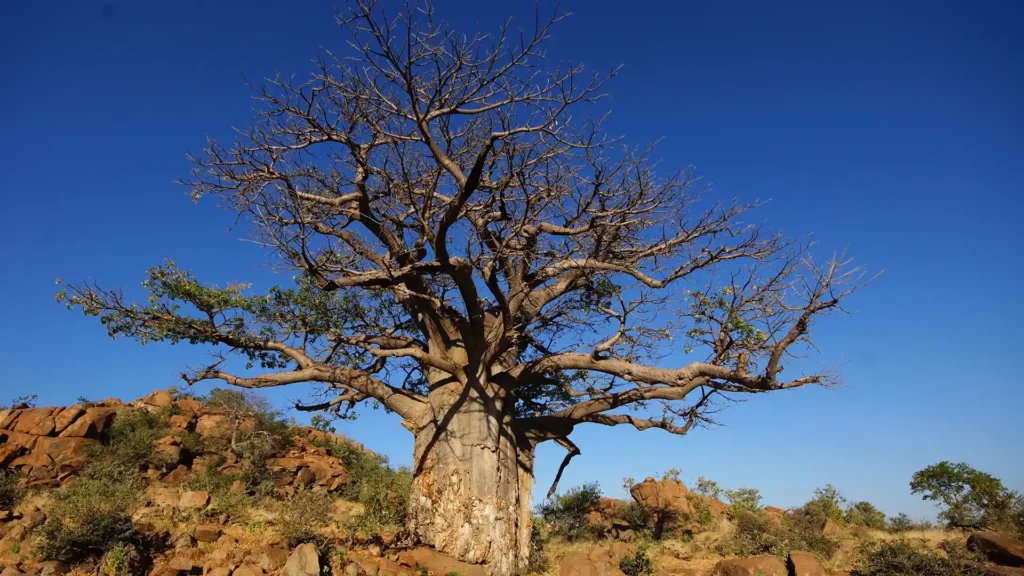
(474, 253)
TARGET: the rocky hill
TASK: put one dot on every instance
(222, 485)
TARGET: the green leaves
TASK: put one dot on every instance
(179, 308)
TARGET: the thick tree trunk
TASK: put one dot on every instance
(472, 481)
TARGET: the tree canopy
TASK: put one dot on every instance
(453, 223)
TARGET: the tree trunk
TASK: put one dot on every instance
(472, 481)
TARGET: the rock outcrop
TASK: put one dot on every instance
(999, 548)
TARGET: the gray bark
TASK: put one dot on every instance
(472, 481)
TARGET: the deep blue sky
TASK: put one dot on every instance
(891, 128)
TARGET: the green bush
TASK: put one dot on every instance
(567, 513)
(383, 491)
(804, 532)
(129, 440)
(10, 491)
(93, 514)
(639, 564)
(865, 514)
(756, 533)
(744, 499)
(122, 560)
(826, 503)
(303, 516)
(637, 517)
(905, 558)
(708, 488)
(537, 563)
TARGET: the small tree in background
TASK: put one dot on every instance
(708, 488)
(865, 514)
(827, 502)
(969, 498)
(744, 498)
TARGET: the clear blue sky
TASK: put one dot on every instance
(893, 128)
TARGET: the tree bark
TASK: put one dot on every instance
(472, 482)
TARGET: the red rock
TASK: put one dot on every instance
(271, 558)
(30, 418)
(338, 483)
(578, 563)
(32, 459)
(176, 476)
(12, 438)
(805, 564)
(292, 464)
(662, 495)
(438, 563)
(8, 452)
(830, 528)
(206, 533)
(303, 561)
(8, 417)
(194, 500)
(237, 487)
(305, 477)
(752, 566)
(63, 449)
(1002, 549)
(247, 570)
(189, 405)
(180, 422)
(213, 424)
(45, 427)
(91, 424)
(67, 417)
(158, 399)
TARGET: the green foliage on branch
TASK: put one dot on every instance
(969, 497)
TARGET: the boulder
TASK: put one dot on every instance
(195, 500)
(579, 563)
(305, 477)
(44, 428)
(8, 453)
(990, 570)
(830, 528)
(998, 548)
(213, 424)
(752, 566)
(438, 563)
(219, 571)
(67, 417)
(176, 476)
(303, 561)
(247, 570)
(189, 405)
(158, 399)
(663, 496)
(31, 460)
(64, 449)
(206, 533)
(12, 438)
(804, 564)
(169, 449)
(180, 422)
(271, 558)
(8, 417)
(91, 424)
(31, 418)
